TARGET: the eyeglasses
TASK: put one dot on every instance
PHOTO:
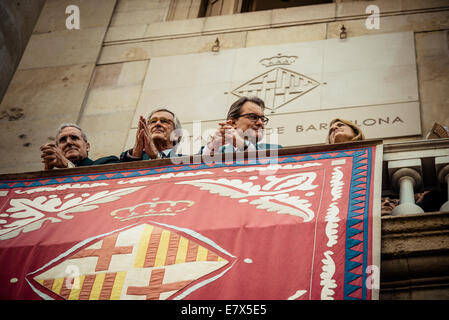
(255, 117)
(153, 121)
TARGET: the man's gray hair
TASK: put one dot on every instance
(67, 125)
(178, 127)
(234, 110)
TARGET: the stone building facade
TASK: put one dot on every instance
(95, 75)
(128, 56)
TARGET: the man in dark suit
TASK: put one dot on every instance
(158, 138)
(242, 130)
(70, 150)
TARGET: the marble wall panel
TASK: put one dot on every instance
(175, 28)
(423, 4)
(109, 100)
(304, 14)
(272, 36)
(139, 17)
(140, 5)
(93, 14)
(21, 139)
(45, 92)
(50, 84)
(291, 78)
(125, 32)
(60, 48)
(432, 50)
(357, 8)
(158, 48)
(110, 105)
(107, 132)
(356, 87)
(255, 19)
(417, 22)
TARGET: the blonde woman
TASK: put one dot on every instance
(343, 131)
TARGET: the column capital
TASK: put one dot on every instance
(442, 168)
(410, 173)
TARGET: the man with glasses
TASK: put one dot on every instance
(156, 138)
(242, 130)
(70, 150)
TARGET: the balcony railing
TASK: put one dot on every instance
(415, 242)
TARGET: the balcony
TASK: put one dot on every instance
(415, 243)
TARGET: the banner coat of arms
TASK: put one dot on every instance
(297, 226)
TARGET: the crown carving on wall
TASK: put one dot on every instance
(278, 60)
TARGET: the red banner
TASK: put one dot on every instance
(287, 227)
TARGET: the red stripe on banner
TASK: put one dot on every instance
(43, 182)
(358, 247)
(211, 256)
(358, 259)
(363, 168)
(156, 286)
(172, 249)
(108, 284)
(87, 287)
(358, 226)
(365, 161)
(357, 294)
(361, 198)
(357, 282)
(153, 245)
(358, 236)
(357, 270)
(192, 251)
(105, 253)
(125, 174)
(48, 283)
(360, 212)
(65, 291)
(333, 154)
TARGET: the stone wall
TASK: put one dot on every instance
(94, 76)
(415, 257)
(17, 19)
(51, 81)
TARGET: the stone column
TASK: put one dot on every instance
(406, 180)
(442, 165)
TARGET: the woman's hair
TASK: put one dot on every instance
(357, 131)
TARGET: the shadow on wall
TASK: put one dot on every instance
(17, 21)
